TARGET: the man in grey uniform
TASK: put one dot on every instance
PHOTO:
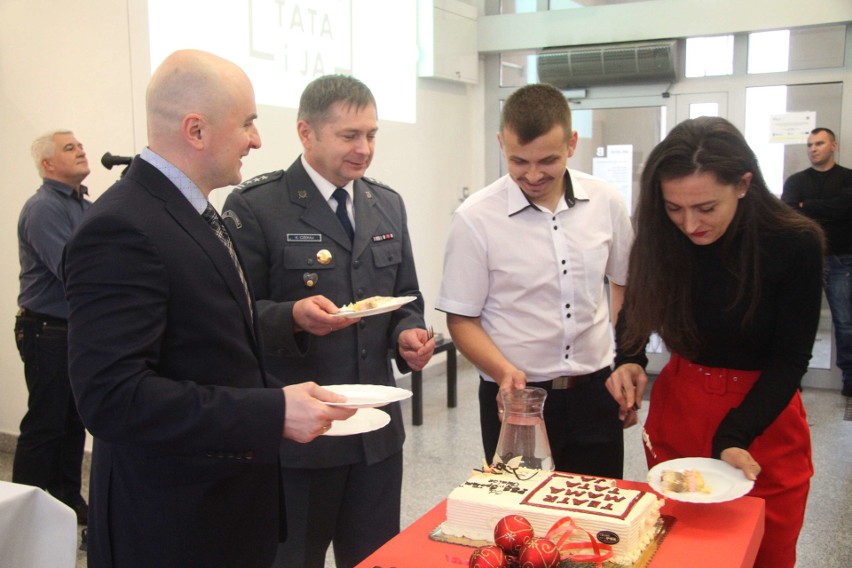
(317, 236)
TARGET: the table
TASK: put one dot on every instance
(721, 535)
(441, 345)
(36, 530)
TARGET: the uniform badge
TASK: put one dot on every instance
(310, 279)
(304, 238)
(384, 237)
(229, 213)
(324, 256)
(302, 194)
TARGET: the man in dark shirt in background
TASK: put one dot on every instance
(823, 192)
(49, 453)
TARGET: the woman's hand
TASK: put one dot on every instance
(741, 459)
(627, 386)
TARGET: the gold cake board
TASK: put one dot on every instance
(662, 528)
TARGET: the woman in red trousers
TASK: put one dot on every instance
(731, 279)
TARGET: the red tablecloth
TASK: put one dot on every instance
(720, 535)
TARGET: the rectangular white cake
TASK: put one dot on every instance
(623, 518)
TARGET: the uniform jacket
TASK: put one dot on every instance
(166, 368)
(280, 223)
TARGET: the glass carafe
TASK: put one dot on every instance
(523, 434)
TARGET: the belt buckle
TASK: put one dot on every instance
(560, 383)
(716, 382)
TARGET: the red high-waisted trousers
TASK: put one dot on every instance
(688, 402)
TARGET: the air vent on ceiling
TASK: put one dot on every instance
(610, 64)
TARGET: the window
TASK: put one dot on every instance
(518, 6)
(703, 109)
(518, 68)
(709, 56)
(797, 49)
(768, 52)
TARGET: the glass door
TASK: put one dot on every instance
(700, 104)
(780, 160)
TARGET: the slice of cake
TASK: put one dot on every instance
(368, 304)
(687, 480)
(626, 519)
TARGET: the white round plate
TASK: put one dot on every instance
(389, 307)
(724, 480)
(367, 396)
(364, 420)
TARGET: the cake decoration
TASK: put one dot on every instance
(512, 533)
(539, 553)
(584, 516)
(488, 557)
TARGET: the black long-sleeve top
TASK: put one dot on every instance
(825, 197)
(779, 339)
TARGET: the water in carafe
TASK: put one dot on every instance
(523, 437)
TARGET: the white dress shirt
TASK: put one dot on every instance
(536, 278)
(326, 188)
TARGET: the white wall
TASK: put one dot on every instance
(81, 65)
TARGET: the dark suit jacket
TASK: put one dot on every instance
(280, 222)
(167, 371)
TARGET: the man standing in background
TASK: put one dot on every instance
(49, 453)
(823, 192)
(318, 236)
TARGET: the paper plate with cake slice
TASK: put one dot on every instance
(368, 396)
(698, 480)
(372, 306)
(364, 420)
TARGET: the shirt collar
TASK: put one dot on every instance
(185, 185)
(65, 188)
(325, 187)
(518, 200)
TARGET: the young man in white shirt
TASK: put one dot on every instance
(524, 287)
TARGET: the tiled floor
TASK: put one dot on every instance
(440, 454)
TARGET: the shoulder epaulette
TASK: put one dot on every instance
(374, 181)
(259, 180)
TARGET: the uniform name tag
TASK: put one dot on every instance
(385, 237)
(304, 238)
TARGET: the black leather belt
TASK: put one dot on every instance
(571, 381)
(50, 320)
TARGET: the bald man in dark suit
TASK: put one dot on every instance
(166, 361)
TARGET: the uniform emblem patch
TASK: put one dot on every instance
(230, 214)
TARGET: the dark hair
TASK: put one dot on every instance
(321, 94)
(534, 110)
(658, 296)
(819, 129)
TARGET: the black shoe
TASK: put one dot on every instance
(847, 389)
(81, 508)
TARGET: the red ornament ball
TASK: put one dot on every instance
(488, 557)
(539, 553)
(512, 532)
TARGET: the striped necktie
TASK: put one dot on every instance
(218, 227)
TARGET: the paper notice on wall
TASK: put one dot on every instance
(791, 127)
(617, 168)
